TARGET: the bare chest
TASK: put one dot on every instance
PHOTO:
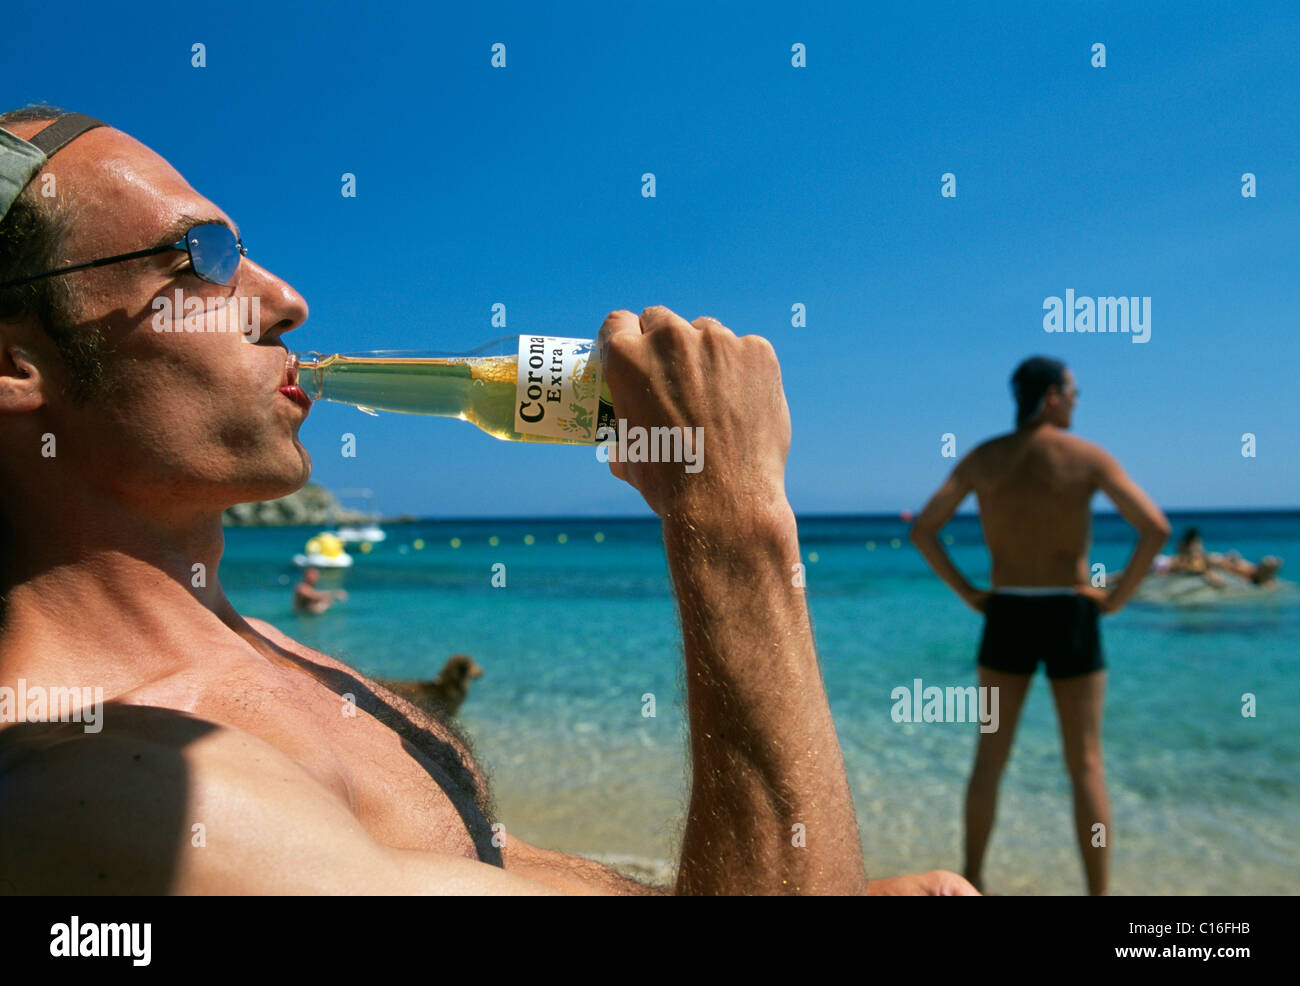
(406, 779)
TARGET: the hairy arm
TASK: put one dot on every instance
(1147, 519)
(572, 874)
(925, 532)
(770, 810)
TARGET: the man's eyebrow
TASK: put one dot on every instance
(182, 224)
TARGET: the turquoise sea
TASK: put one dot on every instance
(1204, 799)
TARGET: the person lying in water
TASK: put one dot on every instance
(1262, 572)
(1193, 559)
(307, 776)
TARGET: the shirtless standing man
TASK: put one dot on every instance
(1035, 487)
(305, 776)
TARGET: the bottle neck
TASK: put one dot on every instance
(304, 370)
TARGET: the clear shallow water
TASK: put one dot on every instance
(1204, 800)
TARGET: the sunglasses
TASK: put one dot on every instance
(214, 249)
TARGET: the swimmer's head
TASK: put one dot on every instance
(1190, 541)
(1044, 391)
(1267, 569)
(311, 576)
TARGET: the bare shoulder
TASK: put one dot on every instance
(399, 713)
(443, 729)
(1100, 462)
(287, 643)
(986, 456)
(164, 802)
(273, 634)
(1078, 443)
(109, 812)
(536, 867)
(301, 650)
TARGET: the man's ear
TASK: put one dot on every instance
(22, 383)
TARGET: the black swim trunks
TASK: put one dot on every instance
(1059, 628)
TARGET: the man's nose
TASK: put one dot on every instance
(282, 308)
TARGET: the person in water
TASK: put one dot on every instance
(1035, 487)
(1262, 573)
(1192, 559)
(308, 599)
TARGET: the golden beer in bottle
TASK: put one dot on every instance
(519, 389)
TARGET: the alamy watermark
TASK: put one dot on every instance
(656, 444)
(196, 313)
(36, 703)
(922, 703)
(1082, 314)
(74, 939)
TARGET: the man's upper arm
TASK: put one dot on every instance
(571, 874)
(85, 813)
(196, 809)
(1130, 499)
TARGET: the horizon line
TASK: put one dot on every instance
(871, 515)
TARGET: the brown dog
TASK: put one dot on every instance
(444, 694)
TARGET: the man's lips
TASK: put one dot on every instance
(290, 387)
(297, 395)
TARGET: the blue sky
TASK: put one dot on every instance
(776, 185)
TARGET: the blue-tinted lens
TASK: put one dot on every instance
(214, 251)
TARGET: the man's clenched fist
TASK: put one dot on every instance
(664, 371)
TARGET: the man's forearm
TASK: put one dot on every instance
(770, 808)
(927, 543)
(1149, 544)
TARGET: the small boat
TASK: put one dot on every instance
(325, 550)
(353, 535)
(366, 531)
